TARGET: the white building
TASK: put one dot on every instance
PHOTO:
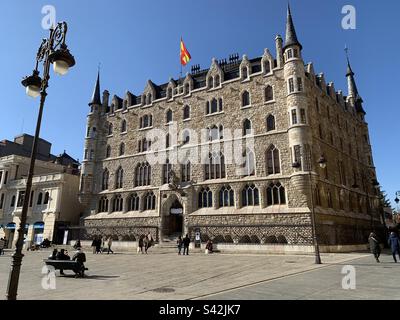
(53, 202)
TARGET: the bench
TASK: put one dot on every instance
(65, 265)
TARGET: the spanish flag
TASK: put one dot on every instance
(185, 55)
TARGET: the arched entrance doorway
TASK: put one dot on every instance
(38, 230)
(175, 218)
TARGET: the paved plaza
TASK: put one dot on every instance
(165, 275)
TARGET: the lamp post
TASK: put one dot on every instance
(52, 50)
(322, 164)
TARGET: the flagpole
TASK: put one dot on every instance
(180, 43)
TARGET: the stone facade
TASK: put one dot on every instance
(290, 110)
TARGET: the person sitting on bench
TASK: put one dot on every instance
(53, 255)
(62, 256)
(80, 258)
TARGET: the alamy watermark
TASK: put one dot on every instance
(49, 279)
(49, 19)
(349, 20)
(349, 280)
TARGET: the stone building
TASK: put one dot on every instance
(53, 202)
(240, 152)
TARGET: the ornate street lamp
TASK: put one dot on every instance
(51, 51)
(322, 163)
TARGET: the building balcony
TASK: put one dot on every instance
(36, 180)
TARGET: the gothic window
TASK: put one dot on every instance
(133, 202)
(273, 161)
(295, 53)
(270, 123)
(186, 112)
(110, 128)
(226, 197)
(249, 163)
(299, 84)
(250, 196)
(167, 167)
(267, 66)
(291, 85)
(215, 166)
(245, 99)
(208, 107)
(123, 126)
(220, 105)
(217, 81)
(122, 149)
(289, 54)
(143, 174)
(275, 194)
(205, 198)
(169, 116)
(244, 73)
(119, 177)
(149, 98)
(167, 140)
(46, 198)
(108, 151)
(40, 198)
(117, 203)
(213, 133)
(185, 171)
(269, 93)
(104, 181)
(214, 106)
(297, 154)
(146, 121)
(294, 116)
(103, 204)
(303, 116)
(247, 127)
(149, 201)
(144, 145)
(210, 82)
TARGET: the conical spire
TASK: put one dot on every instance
(291, 37)
(96, 92)
(352, 88)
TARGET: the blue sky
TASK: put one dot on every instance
(139, 40)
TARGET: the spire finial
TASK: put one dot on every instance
(96, 92)
(291, 37)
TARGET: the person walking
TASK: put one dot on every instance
(209, 247)
(98, 245)
(179, 242)
(140, 248)
(109, 244)
(2, 246)
(94, 244)
(186, 242)
(394, 243)
(374, 246)
(79, 257)
(148, 242)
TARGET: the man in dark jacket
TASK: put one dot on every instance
(186, 242)
(62, 256)
(374, 246)
(79, 257)
(394, 244)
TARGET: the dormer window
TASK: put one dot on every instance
(169, 93)
(187, 88)
(217, 81)
(267, 66)
(245, 74)
(149, 99)
(210, 82)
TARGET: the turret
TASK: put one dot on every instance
(353, 97)
(91, 145)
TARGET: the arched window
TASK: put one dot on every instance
(275, 194)
(146, 121)
(167, 167)
(267, 66)
(247, 127)
(110, 128)
(149, 201)
(143, 174)
(226, 197)
(210, 82)
(249, 168)
(167, 140)
(217, 81)
(133, 202)
(205, 198)
(123, 126)
(144, 145)
(108, 151)
(220, 105)
(221, 131)
(46, 198)
(208, 107)
(149, 98)
(270, 123)
(117, 203)
(186, 137)
(169, 116)
(213, 133)
(186, 112)
(119, 177)
(273, 161)
(104, 181)
(245, 99)
(245, 74)
(103, 204)
(269, 93)
(185, 171)
(215, 168)
(40, 198)
(214, 105)
(122, 149)
(250, 196)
